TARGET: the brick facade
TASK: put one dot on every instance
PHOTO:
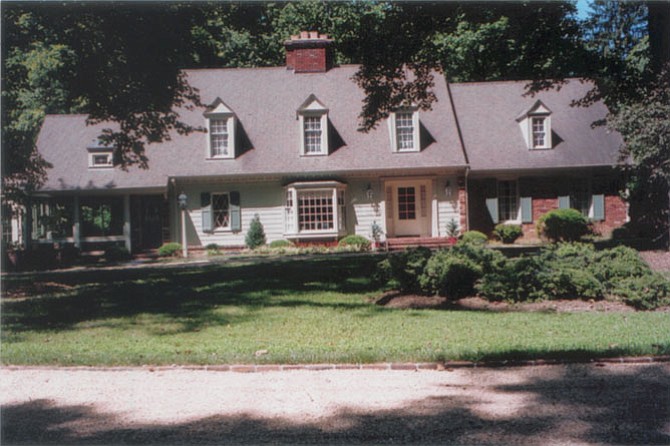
(309, 52)
(544, 193)
(462, 205)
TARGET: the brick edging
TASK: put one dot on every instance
(395, 366)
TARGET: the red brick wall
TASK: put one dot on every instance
(307, 60)
(462, 205)
(544, 193)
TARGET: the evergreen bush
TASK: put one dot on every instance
(563, 225)
(256, 234)
(358, 242)
(279, 244)
(474, 237)
(507, 233)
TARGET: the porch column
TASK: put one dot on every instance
(28, 224)
(76, 226)
(436, 214)
(126, 221)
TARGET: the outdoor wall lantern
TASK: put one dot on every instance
(369, 192)
(182, 199)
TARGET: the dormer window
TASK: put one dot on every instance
(100, 155)
(313, 117)
(221, 124)
(535, 124)
(404, 130)
(539, 132)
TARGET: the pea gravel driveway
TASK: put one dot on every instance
(558, 404)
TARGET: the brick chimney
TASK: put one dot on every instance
(309, 52)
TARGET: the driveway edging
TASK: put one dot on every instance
(395, 366)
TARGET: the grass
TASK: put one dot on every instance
(299, 310)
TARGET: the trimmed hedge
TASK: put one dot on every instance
(507, 233)
(474, 237)
(358, 242)
(563, 225)
(169, 249)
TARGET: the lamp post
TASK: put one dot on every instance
(183, 205)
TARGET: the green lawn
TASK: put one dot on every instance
(299, 310)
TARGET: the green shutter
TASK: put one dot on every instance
(599, 207)
(235, 213)
(564, 202)
(492, 206)
(206, 211)
(526, 209)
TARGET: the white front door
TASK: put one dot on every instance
(411, 202)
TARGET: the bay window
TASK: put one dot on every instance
(315, 209)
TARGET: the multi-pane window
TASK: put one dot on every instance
(218, 134)
(221, 210)
(406, 203)
(508, 202)
(404, 128)
(580, 198)
(312, 134)
(315, 210)
(100, 159)
(539, 132)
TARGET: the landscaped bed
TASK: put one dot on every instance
(291, 310)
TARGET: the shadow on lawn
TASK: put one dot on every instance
(578, 404)
(188, 295)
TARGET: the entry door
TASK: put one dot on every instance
(412, 209)
(152, 222)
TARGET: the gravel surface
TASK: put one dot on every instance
(568, 404)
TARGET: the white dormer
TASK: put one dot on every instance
(404, 130)
(535, 124)
(100, 155)
(221, 123)
(313, 118)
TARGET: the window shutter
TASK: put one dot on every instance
(492, 206)
(206, 211)
(564, 202)
(526, 209)
(599, 207)
(235, 213)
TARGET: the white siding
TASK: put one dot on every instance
(264, 199)
(361, 211)
(447, 205)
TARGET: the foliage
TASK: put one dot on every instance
(474, 237)
(405, 268)
(277, 244)
(256, 234)
(577, 270)
(452, 229)
(116, 253)
(507, 233)
(449, 274)
(567, 225)
(171, 249)
(213, 249)
(359, 242)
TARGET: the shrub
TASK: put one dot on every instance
(449, 274)
(563, 225)
(256, 234)
(359, 242)
(116, 253)
(277, 244)
(376, 232)
(169, 249)
(474, 237)
(213, 249)
(452, 229)
(507, 233)
(643, 292)
(406, 268)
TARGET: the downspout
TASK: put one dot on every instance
(465, 155)
(467, 199)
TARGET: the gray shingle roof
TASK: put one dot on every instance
(265, 101)
(487, 113)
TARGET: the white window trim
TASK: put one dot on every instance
(393, 130)
(93, 153)
(211, 203)
(293, 230)
(547, 131)
(323, 114)
(231, 125)
(517, 220)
